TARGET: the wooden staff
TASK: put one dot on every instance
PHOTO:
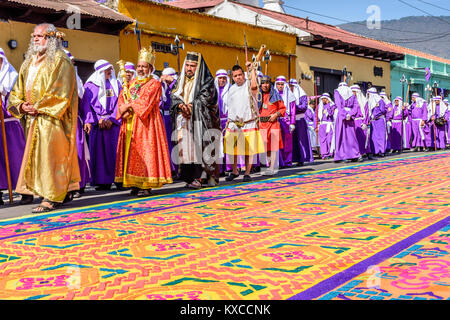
(5, 151)
(434, 124)
(317, 108)
(429, 99)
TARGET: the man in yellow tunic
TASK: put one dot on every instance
(143, 160)
(45, 98)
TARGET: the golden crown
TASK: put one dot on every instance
(147, 55)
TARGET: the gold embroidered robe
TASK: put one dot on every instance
(50, 164)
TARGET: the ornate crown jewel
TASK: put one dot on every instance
(147, 55)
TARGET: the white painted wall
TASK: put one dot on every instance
(234, 11)
(274, 5)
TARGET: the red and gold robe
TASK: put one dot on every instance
(143, 159)
(270, 131)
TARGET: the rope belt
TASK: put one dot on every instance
(240, 123)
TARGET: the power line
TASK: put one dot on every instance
(431, 4)
(410, 5)
(362, 24)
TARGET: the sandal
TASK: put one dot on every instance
(42, 208)
(144, 193)
(194, 185)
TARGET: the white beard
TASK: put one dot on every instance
(142, 77)
(39, 49)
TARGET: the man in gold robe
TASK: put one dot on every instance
(143, 160)
(45, 98)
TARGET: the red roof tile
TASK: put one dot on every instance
(87, 7)
(315, 28)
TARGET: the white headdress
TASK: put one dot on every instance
(170, 72)
(344, 90)
(287, 95)
(129, 67)
(219, 74)
(373, 99)
(361, 99)
(442, 107)
(320, 111)
(298, 91)
(383, 96)
(98, 78)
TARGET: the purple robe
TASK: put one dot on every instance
(15, 141)
(447, 125)
(165, 108)
(440, 131)
(378, 141)
(82, 149)
(346, 144)
(302, 151)
(326, 130)
(398, 135)
(417, 115)
(388, 117)
(102, 143)
(288, 119)
(363, 135)
(311, 120)
(408, 129)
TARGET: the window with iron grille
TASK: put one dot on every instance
(163, 47)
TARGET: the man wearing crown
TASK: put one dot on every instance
(195, 117)
(45, 98)
(143, 159)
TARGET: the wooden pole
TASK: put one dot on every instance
(317, 107)
(5, 151)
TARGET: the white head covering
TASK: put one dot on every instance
(320, 111)
(219, 74)
(373, 99)
(129, 66)
(344, 90)
(442, 107)
(8, 76)
(361, 99)
(80, 85)
(298, 91)
(170, 72)
(167, 72)
(98, 78)
(400, 106)
(419, 101)
(287, 95)
(383, 96)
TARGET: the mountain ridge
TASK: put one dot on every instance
(423, 33)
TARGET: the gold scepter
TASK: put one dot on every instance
(125, 87)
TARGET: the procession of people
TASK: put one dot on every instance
(139, 131)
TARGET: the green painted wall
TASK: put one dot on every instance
(440, 73)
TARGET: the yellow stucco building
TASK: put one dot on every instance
(321, 65)
(221, 41)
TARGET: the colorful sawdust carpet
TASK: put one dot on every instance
(312, 235)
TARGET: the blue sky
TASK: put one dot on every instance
(355, 10)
